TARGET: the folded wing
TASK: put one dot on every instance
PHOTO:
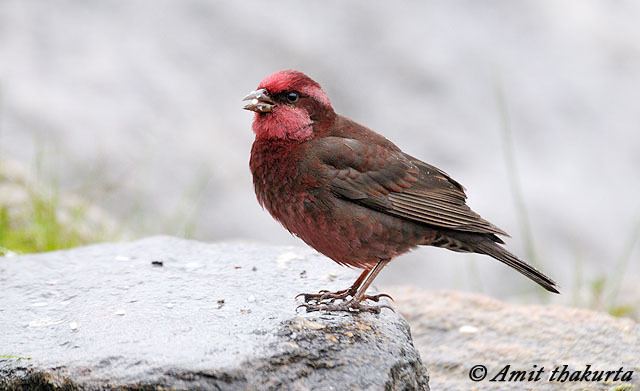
(398, 184)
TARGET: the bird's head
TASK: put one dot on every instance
(288, 105)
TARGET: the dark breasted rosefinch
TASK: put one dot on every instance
(352, 194)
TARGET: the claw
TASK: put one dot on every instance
(309, 307)
(305, 296)
(387, 306)
(302, 306)
(377, 297)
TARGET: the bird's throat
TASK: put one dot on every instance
(285, 123)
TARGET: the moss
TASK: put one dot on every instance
(620, 311)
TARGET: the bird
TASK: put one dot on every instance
(355, 196)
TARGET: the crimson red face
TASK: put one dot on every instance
(287, 105)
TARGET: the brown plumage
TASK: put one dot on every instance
(352, 194)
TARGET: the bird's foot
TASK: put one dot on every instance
(325, 296)
(345, 306)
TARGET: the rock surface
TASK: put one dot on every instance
(455, 331)
(164, 312)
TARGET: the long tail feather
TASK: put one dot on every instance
(496, 251)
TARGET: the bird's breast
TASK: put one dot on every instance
(295, 193)
(280, 185)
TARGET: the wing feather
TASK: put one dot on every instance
(398, 184)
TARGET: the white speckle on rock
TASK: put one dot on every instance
(40, 304)
(73, 326)
(251, 299)
(122, 258)
(468, 329)
(283, 259)
(192, 265)
(170, 305)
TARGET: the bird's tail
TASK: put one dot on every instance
(494, 250)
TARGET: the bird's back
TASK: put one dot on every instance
(347, 128)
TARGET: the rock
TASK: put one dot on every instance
(455, 331)
(171, 313)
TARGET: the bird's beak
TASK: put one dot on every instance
(260, 101)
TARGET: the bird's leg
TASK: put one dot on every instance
(333, 296)
(361, 294)
(355, 304)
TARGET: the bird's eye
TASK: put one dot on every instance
(292, 97)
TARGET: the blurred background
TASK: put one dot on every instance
(122, 119)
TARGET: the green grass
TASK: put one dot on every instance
(614, 281)
(40, 217)
(38, 227)
(513, 176)
(603, 290)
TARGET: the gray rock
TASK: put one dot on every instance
(455, 331)
(165, 312)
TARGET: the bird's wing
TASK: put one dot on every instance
(397, 184)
